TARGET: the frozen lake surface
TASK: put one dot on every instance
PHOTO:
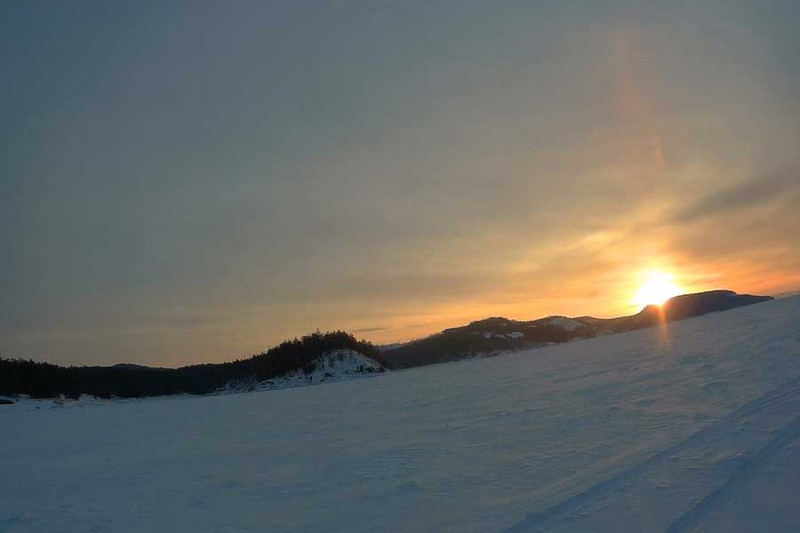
(695, 425)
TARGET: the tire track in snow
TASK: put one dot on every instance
(695, 516)
(780, 395)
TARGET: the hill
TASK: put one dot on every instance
(334, 365)
(297, 361)
(486, 337)
(45, 380)
(497, 334)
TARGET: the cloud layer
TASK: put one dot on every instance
(188, 184)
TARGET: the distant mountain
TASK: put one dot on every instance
(497, 334)
(486, 337)
(134, 366)
(322, 357)
(389, 347)
(677, 308)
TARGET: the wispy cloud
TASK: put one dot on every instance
(751, 193)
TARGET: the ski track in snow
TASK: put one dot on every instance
(743, 475)
(780, 398)
(691, 427)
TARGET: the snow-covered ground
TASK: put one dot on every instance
(695, 425)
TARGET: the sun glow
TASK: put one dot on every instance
(657, 289)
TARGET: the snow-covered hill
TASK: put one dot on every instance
(695, 425)
(337, 365)
(494, 335)
(569, 324)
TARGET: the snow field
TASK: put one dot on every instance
(693, 425)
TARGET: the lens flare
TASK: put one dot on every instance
(657, 289)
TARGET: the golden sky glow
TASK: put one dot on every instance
(656, 289)
(205, 183)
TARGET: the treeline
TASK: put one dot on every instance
(46, 380)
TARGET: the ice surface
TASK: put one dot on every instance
(692, 426)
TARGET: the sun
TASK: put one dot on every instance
(657, 289)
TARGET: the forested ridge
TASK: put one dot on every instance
(47, 380)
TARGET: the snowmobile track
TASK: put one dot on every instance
(694, 516)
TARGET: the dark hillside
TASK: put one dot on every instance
(677, 308)
(498, 334)
(482, 337)
(45, 380)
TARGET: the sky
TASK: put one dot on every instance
(184, 182)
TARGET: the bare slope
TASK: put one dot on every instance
(651, 430)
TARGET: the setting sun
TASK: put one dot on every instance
(657, 289)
